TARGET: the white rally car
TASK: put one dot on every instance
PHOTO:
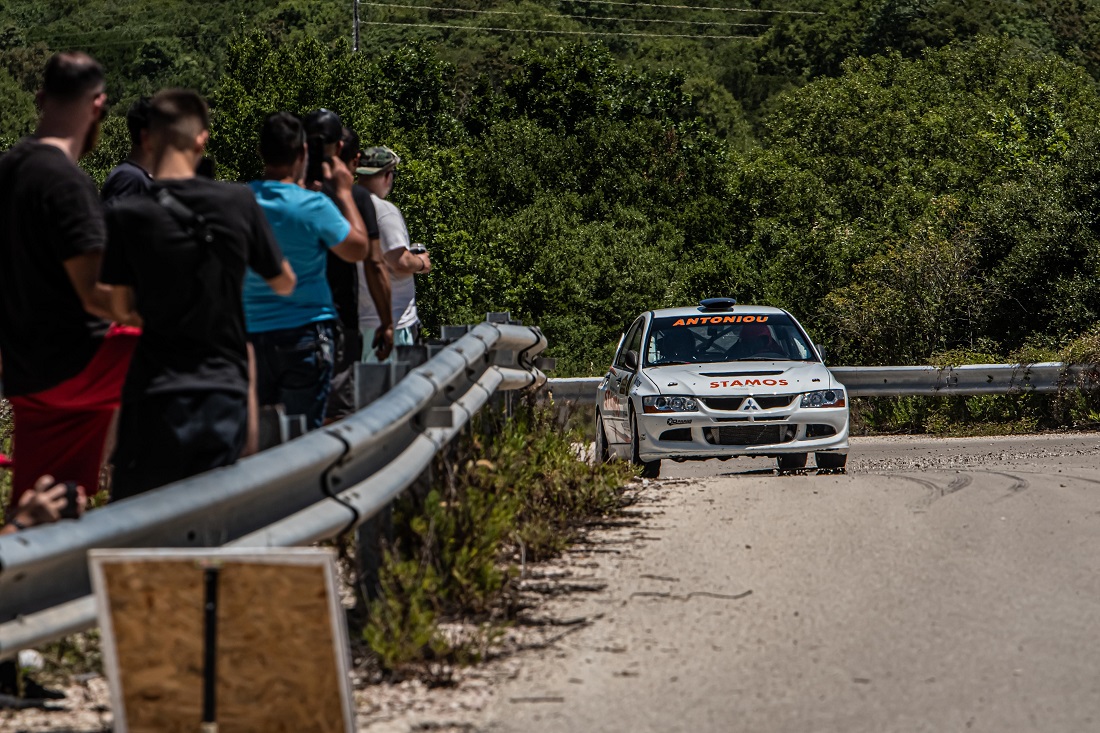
(716, 381)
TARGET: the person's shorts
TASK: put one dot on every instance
(170, 437)
(61, 431)
(401, 337)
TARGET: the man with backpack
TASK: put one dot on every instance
(177, 260)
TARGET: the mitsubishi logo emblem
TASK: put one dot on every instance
(749, 405)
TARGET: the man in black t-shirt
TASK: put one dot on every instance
(63, 362)
(131, 177)
(343, 279)
(178, 257)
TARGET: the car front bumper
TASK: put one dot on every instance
(716, 434)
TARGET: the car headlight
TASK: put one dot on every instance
(662, 403)
(824, 398)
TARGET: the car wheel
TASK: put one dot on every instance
(792, 461)
(601, 452)
(649, 469)
(831, 461)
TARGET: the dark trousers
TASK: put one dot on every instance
(166, 438)
(294, 369)
(349, 347)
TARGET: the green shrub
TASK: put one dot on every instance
(510, 489)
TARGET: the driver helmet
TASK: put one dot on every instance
(758, 338)
(755, 331)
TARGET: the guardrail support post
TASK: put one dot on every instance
(374, 380)
(371, 540)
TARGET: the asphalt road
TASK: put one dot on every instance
(941, 585)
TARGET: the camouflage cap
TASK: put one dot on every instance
(377, 160)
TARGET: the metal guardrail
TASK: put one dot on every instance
(894, 381)
(315, 487)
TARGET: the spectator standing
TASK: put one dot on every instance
(132, 177)
(377, 172)
(178, 258)
(293, 337)
(63, 362)
(343, 277)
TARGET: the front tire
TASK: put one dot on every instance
(831, 461)
(647, 469)
(791, 461)
(601, 452)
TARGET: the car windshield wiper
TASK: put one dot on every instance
(670, 363)
(764, 358)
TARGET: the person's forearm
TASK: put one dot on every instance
(99, 304)
(378, 283)
(346, 203)
(410, 264)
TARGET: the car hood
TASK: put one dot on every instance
(740, 378)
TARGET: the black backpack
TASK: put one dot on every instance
(213, 283)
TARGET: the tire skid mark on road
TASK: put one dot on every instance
(959, 483)
(921, 505)
(1070, 476)
(1018, 484)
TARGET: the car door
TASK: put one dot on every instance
(617, 398)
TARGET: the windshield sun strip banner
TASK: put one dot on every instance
(713, 320)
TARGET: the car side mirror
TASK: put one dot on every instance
(630, 359)
(820, 351)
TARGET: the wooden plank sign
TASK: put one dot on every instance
(226, 640)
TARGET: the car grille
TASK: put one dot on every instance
(754, 434)
(731, 404)
(682, 434)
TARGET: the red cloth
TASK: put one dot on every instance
(61, 431)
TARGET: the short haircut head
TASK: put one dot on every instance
(177, 117)
(281, 139)
(137, 119)
(351, 145)
(72, 75)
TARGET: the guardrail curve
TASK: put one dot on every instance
(314, 487)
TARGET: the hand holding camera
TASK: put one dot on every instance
(48, 502)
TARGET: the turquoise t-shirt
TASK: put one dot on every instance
(306, 225)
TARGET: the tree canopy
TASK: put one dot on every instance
(908, 177)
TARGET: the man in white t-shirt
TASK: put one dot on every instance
(377, 172)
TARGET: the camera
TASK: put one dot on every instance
(323, 127)
(72, 501)
(315, 147)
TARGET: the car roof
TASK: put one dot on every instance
(739, 309)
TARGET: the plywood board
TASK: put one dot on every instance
(281, 640)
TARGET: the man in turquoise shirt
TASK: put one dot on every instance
(293, 336)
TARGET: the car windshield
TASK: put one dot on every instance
(726, 337)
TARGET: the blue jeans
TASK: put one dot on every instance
(294, 369)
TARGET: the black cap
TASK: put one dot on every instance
(325, 124)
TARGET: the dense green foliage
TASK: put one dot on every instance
(516, 492)
(907, 176)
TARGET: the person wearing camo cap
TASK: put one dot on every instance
(377, 172)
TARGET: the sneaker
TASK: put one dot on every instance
(34, 691)
(9, 685)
